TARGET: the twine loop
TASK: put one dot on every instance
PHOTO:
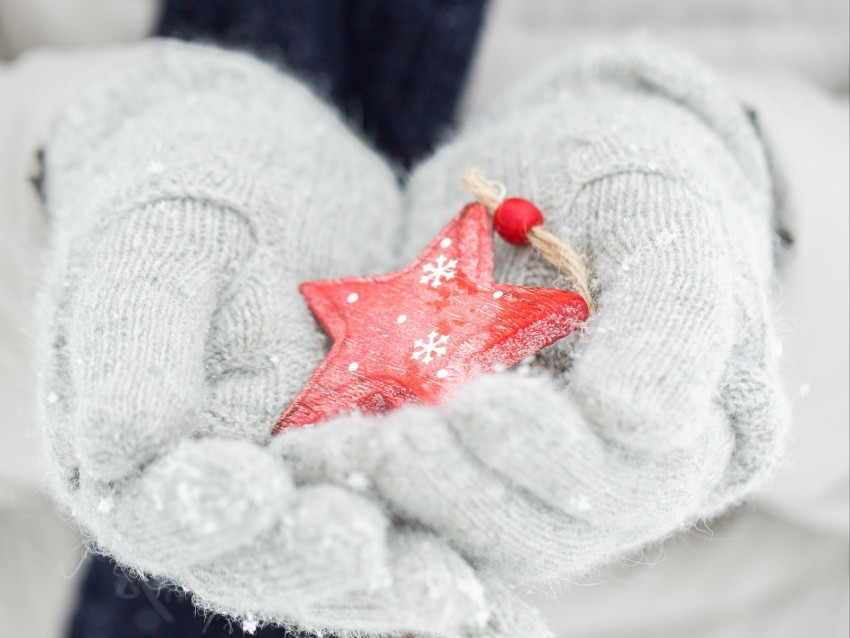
(555, 250)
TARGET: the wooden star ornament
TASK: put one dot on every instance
(418, 334)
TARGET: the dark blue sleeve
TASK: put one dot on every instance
(395, 67)
(114, 604)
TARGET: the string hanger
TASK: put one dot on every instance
(520, 222)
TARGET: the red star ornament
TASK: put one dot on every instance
(419, 333)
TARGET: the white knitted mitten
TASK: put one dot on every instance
(188, 198)
(671, 410)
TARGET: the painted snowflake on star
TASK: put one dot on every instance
(426, 350)
(441, 270)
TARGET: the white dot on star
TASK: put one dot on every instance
(352, 297)
(401, 319)
(446, 243)
(498, 294)
(442, 374)
(353, 366)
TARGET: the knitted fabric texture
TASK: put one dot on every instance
(191, 195)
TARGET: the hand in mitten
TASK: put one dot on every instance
(671, 410)
(187, 200)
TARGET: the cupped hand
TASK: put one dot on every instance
(187, 200)
(667, 408)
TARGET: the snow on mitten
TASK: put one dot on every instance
(188, 198)
(667, 408)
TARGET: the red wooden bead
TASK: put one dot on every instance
(514, 218)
